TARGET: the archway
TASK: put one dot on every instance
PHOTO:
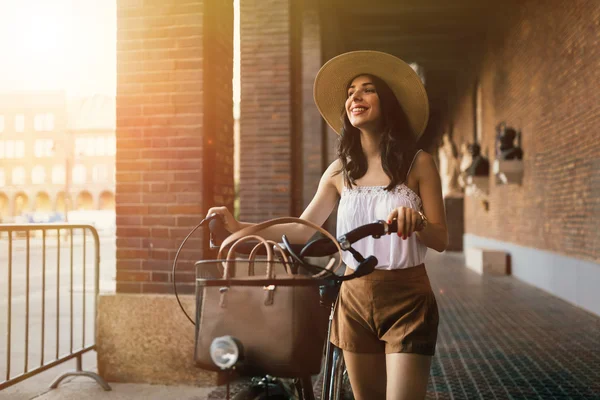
(42, 202)
(4, 206)
(84, 201)
(62, 201)
(107, 201)
(21, 204)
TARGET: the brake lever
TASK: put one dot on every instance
(288, 247)
(364, 268)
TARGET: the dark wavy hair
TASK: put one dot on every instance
(397, 146)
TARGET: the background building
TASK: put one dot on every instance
(57, 155)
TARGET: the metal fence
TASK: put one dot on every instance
(48, 319)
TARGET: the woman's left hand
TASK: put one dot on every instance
(409, 221)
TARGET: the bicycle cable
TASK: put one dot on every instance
(175, 268)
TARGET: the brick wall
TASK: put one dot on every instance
(313, 128)
(540, 75)
(174, 133)
(265, 110)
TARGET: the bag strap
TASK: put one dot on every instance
(253, 229)
(276, 246)
(230, 260)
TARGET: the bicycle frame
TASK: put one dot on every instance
(333, 368)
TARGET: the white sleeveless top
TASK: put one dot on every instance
(361, 205)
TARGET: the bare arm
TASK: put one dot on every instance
(435, 235)
(317, 211)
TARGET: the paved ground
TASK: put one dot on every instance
(499, 339)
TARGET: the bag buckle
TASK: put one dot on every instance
(270, 290)
(223, 290)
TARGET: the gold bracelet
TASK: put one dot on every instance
(424, 221)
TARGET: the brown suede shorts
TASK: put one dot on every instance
(387, 312)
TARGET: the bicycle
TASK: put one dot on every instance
(227, 353)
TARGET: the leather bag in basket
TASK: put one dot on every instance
(277, 318)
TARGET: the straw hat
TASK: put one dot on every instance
(332, 79)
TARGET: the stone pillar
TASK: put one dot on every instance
(174, 160)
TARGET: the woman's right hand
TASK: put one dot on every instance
(231, 224)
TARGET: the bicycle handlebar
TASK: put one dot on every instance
(316, 248)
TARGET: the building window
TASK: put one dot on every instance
(100, 146)
(1, 123)
(111, 146)
(100, 173)
(19, 149)
(58, 174)
(90, 147)
(20, 123)
(95, 146)
(85, 146)
(12, 149)
(43, 122)
(79, 174)
(38, 175)
(18, 176)
(43, 147)
(49, 122)
(38, 123)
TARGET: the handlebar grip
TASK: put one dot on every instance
(375, 229)
(324, 247)
(393, 227)
(318, 248)
(218, 232)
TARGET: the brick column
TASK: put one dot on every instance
(174, 160)
(174, 133)
(314, 160)
(284, 144)
(265, 110)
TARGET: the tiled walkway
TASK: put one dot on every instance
(500, 338)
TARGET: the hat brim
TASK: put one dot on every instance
(330, 91)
